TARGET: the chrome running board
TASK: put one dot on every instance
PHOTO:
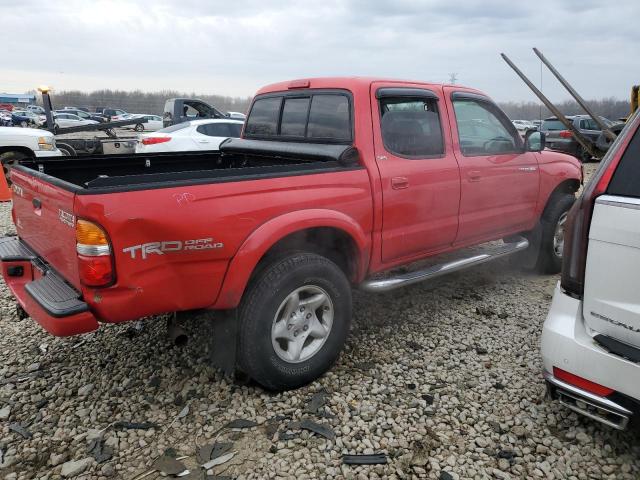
(585, 403)
(479, 257)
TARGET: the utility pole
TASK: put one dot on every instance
(453, 78)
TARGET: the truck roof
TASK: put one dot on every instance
(350, 83)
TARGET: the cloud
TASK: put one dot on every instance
(233, 48)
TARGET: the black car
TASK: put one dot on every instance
(559, 138)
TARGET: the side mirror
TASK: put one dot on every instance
(534, 141)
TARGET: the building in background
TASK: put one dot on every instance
(17, 99)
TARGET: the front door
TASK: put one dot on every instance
(419, 173)
(499, 179)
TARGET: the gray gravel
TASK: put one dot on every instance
(445, 380)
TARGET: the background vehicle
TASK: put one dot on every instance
(189, 136)
(153, 123)
(6, 106)
(63, 120)
(36, 109)
(591, 337)
(82, 109)
(178, 110)
(112, 114)
(5, 118)
(23, 119)
(21, 143)
(523, 125)
(36, 120)
(237, 116)
(559, 138)
(337, 182)
(84, 115)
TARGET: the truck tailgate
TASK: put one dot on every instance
(43, 214)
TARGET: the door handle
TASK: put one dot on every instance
(399, 183)
(474, 175)
(203, 141)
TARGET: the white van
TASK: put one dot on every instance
(591, 337)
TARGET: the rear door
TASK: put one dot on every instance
(499, 179)
(612, 280)
(45, 221)
(419, 173)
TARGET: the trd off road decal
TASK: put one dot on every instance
(169, 246)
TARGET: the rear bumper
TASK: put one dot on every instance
(42, 293)
(566, 344)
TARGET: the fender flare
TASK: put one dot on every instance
(254, 247)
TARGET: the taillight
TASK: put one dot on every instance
(95, 260)
(154, 140)
(576, 228)
(565, 134)
(582, 383)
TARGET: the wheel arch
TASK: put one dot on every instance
(326, 232)
(569, 186)
(25, 150)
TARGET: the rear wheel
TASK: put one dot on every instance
(139, 127)
(583, 155)
(294, 321)
(552, 236)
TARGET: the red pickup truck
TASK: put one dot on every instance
(335, 183)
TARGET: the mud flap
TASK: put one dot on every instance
(529, 258)
(223, 344)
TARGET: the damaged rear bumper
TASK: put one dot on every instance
(42, 293)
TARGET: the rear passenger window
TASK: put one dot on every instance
(329, 118)
(317, 116)
(626, 179)
(294, 117)
(263, 119)
(411, 127)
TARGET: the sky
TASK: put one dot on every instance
(234, 48)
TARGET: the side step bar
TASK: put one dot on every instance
(434, 271)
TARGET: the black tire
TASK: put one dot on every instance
(24, 124)
(549, 260)
(67, 150)
(139, 127)
(583, 155)
(261, 303)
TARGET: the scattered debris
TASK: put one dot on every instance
(99, 451)
(317, 428)
(183, 413)
(122, 425)
(481, 350)
(168, 464)
(241, 423)
(219, 460)
(374, 459)
(445, 476)
(20, 430)
(427, 397)
(212, 451)
(270, 429)
(411, 386)
(317, 401)
(154, 382)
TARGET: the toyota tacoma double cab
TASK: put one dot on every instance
(335, 183)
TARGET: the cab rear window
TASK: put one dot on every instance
(312, 116)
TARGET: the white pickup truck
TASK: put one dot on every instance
(19, 143)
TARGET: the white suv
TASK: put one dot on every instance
(591, 337)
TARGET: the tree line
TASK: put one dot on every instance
(153, 103)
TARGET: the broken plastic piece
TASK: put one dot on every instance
(317, 401)
(20, 430)
(375, 459)
(218, 461)
(314, 427)
(241, 423)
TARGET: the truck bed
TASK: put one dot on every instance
(237, 160)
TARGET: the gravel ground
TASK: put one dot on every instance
(445, 380)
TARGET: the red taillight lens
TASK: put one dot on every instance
(565, 134)
(95, 271)
(582, 383)
(154, 140)
(95, 261)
